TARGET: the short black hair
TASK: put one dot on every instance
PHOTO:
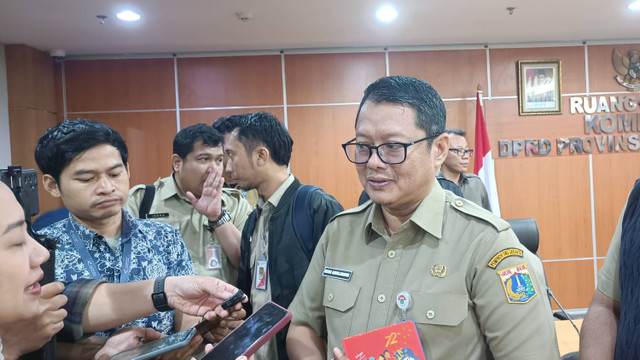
(458, 132)
(187, 137)
(59, 145)
(405, 90)
(227, 124)
(263, 128)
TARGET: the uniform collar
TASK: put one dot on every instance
(277, 195)
(429, 215)
(463, 176)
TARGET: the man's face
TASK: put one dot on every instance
(20, 260)
(94, 186)
(191, 172)
(403, 185)
(239, 163)
(454, 162)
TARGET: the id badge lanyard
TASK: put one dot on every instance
(90, 263)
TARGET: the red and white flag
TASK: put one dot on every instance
(483, 162)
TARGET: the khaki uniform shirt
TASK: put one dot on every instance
(259, 251)
(609, 274)
(441, 256)
(172, 207)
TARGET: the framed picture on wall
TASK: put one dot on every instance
(539, 87)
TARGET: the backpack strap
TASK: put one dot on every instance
(147, 199)
(301, 218)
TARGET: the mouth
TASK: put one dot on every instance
(35, 288)
(377, 182)
(107, 203)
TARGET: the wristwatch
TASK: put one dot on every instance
(159, 297)
(224, 218)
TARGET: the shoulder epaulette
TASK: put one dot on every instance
(472, 209)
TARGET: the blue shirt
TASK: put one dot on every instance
(156, 249)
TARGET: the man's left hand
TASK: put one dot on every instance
(210, 202)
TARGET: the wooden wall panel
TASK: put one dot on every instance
(571, 282)
(192, 117)
(318, 158)
(601, 71)
(504, 123)
(149, 137)
(30, 78)
(230, 81)
(613, 178)
(26, 126)
(555, 192)
(504, 67)
(453, 73)
(331, 78)
(114, 85)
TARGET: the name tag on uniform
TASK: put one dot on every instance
(344, 275)
(158, 216)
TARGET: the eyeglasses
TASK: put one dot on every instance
(462, 152)
(392, 153)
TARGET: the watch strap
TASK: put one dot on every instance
(159, 297)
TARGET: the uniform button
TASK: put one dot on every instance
(330, 297)
(382, 298)
(391, 254)
(431, 314)
(458, 203)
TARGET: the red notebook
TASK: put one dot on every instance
(397, 342)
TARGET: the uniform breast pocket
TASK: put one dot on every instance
(339, 300)
(439, 309)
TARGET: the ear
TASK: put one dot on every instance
(176, 162)
(261, 155)
(51, 185)
(440, 149)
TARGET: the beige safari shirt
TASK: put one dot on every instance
(609, 275)
(172, 207)
(441, 257)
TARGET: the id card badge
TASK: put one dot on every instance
(212, 257)
(261, 274)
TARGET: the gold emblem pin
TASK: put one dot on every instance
(439, 270)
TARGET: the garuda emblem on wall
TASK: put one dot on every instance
(629, 69)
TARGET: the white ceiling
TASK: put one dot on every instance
(186, 26)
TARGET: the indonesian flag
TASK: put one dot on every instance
(483, 162)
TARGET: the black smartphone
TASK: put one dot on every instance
(207, 325)
(256, 330)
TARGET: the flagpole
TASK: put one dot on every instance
(483, 160)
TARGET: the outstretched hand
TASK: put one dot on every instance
(210, 202)
(200, 295)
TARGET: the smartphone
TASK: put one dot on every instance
(157, 347)
(178, 340)
(256, 330)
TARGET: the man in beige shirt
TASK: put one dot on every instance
(476, 292)
(208, 216)
(454, 167)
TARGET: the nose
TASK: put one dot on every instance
(375, 161)
(228, 167)
(38, 254)
(105, 185)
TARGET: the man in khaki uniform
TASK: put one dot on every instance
(610, 328)
(192, 199)
(454, 167)
(476, 292)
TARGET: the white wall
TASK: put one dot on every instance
(5, 143)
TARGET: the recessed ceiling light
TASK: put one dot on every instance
(386, 13)
(634, 5)
(128, 15)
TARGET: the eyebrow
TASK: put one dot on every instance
(13, 225)
(83, 172)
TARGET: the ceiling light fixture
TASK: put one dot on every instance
(128, 15)
(634, 5)
(386, 13)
